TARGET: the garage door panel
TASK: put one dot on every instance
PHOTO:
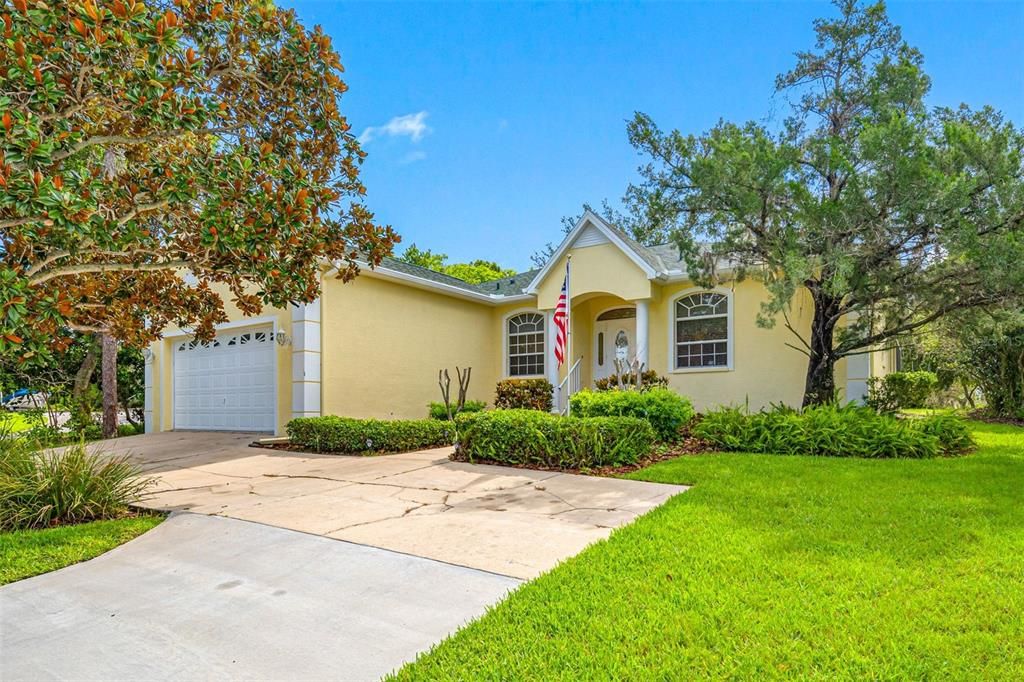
(226, 385)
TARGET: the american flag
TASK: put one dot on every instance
(561, 320)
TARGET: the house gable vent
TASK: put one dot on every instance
(590, 236)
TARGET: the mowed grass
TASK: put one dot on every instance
(781, 567)
(15, 422)
(26, 553)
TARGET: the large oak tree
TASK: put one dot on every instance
(149, 150)
(889, 214)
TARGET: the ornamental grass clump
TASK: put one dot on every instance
(833, 431)
(40, 489)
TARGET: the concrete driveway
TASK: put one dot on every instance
(514, 522)
(209, 598)
(232, 591)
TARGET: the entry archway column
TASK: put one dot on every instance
(643, 331)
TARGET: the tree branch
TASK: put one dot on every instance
(85, 268)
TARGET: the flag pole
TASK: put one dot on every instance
(568, 335)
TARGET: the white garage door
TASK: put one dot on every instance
(226, 385)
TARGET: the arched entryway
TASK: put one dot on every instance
(614, 339)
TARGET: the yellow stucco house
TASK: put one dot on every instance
(373, 347)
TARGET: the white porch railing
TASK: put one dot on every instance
(570, 384)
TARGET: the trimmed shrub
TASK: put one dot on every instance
(344, 434)
(533, 437)
(437, 410)
(524, 394)
(664, 409)
(829, 431)
(899, 390)
(40, 489)
(130, 430)
(649, 379)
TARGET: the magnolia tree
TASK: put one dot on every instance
(888, 215)
(149, 150)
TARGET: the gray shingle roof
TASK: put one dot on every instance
(509, 286)
(506, 286)
(662, 257)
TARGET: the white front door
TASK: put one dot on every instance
(227, 384)
(614, 339)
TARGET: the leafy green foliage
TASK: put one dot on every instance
(900, 390)
(952, 432)
(368, 436)
(649, 379)
(887, 215)
(832, 431)
(140, 141)
(665, 410)
(25, 553)
(524, 394)
(770, 568)
(438, 411)
(474, 272)
(39, 489)
(541, 438)
(997, 363)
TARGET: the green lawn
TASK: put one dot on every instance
(777, 566)
(26, 553)
(13, 422)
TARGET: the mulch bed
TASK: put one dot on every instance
(688, 445)
(983, 416)
(288, 447)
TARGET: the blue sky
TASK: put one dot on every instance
(485, 123)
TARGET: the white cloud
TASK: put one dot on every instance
(413, 157)
(413, 126)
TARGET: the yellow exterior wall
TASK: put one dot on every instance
(384, 342)
(764, 369)
(163, 362)
(602, 268)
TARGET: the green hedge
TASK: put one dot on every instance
(664, 409)
(532, 437)
(900, 390)
(438, 411)
(524, 394)
(833, 431)
(343, 434)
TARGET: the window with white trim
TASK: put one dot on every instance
(525, 345)
(702, 330)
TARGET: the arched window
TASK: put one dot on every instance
(702, 330)
(525, 333)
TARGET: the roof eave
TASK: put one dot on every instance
(383, 272)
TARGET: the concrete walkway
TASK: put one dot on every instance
(514, 522)
(202, 597)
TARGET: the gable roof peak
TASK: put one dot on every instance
(646, 260)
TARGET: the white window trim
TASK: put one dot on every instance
(504, 345)
(730, 342)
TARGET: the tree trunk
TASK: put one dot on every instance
(83, 377)
(820, 386)
(109, 378)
